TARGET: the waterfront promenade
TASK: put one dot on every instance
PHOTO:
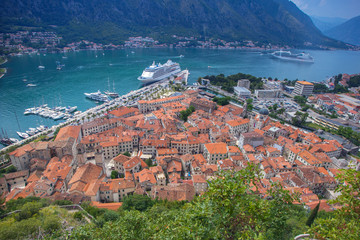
(124, 100)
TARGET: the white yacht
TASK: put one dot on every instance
(22, 135)
(97, 96)
(158, 72)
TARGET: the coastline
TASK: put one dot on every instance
(5, 61)
(3, 74)
(117, 102)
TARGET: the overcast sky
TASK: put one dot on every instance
(330, 8)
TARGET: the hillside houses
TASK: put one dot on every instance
(155, 153)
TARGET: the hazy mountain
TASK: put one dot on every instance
(326, 23)
(275, 21)
(348, 32)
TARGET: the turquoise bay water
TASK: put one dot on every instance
(88, 71)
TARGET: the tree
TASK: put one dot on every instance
(184, 114)
(148, 162)
(127, 154)
(345, 222)
(313, 215)
(301, 100)
(114, 174)
(137, 202)
(222, 101)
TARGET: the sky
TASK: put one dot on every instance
(330, 8)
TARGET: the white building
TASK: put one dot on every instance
(267, 93)
(303, 88)
(242, 92)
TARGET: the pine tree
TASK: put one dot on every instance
(313, 215)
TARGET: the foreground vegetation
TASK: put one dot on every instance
(231, 209)
(37, 218)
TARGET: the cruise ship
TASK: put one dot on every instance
(287, 55)
(97, 96)
(158, 72)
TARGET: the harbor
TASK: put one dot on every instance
(78, 117)
(84, 72)
(55, 113)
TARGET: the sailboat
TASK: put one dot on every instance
(112, 94)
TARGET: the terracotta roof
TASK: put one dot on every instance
(216, 148)
(22, 150)
(248, 148)
(121, 158)
(86, 173)
(121, 111)
(167, 151)
(132, 163)
(110, 206)
(92, 187)
(34, 176)
(145, 176)
(68, 132)
(14, 175)
(237, 122)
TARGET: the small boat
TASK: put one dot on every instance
(14, 140)
(22, 135)
(24, 80)
(181, 56)
(112, 94)
(59, 66)
(31, 85)
(41, 67)
(5, 141)
(33, 130)
(97, 96)
(30, 133)
(71, 109)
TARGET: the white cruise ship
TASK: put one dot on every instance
(97, 96)
(288, 56)
(158, 72)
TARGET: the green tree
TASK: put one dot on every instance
(111, 216)
(127, 154)
(345, 222)
(149, 162)
(137, 202)
(301, 100)
(114, 174)
(51, 223)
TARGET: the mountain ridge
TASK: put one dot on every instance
(272, 21)
(348, 32)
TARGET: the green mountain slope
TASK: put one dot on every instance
(347, 32)
(275, 21)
